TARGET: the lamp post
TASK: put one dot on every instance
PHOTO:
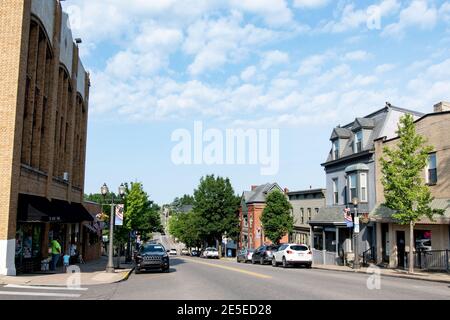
(356, 264)
(104, 191)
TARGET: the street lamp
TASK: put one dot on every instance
(356, 264)
(104, 191)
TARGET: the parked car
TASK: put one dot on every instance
(195, 253)
(184, 252)
(151, 256)
(172, 252)
(210, 253)
(423, 245)
(245, 255)
(264, 254)
(292, 254)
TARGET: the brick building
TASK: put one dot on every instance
(44, 93)
(392, 238)
(252, 206)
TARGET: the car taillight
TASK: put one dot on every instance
(289, 252)
(309, 252)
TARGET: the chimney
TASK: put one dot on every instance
(286, 190)
(442, 106)
(254, 187)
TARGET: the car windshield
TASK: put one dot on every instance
(211, 249)
(152, 248)
(299, 248)
(271, 248)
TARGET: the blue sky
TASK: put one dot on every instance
(302, 66)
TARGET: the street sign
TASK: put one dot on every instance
(119, 215)
(356, 230)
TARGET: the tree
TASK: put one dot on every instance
(141, 214)
(402, 177)
(184, 227)
(276, 218)
(178, 203)
(216, 205)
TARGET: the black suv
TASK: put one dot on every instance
(151, 256)
(264, 254)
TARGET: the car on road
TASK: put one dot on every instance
(264, 254)
(151, 256)
(210, 253)
(173, 252)
(292, 254)
(195, 253)
(245, 255)
(184, 252)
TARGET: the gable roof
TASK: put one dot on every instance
(260, 192)
(342, 133)
(363, 123)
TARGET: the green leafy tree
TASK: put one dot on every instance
(276, 218)
(185, 228)
(178, 203)
(141, 214)
(216, 205)
(402, 169)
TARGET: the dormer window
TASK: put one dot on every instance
(335, 149)
(357, 145)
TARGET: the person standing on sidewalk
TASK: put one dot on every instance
(56, 253)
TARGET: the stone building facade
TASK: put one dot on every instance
(44, 97)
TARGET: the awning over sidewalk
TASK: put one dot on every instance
(381, 213)
(40, 209)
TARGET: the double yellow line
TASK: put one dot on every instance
(250, 273)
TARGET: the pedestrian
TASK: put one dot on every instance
(56, 253)
(73, 253)
(66, 260)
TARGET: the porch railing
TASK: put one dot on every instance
(430, 260)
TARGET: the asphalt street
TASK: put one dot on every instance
(196, 278)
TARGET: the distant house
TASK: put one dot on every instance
(252, 206)
(305, 205)
(350, 175)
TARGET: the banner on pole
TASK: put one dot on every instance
(348, 218)
(119, 215)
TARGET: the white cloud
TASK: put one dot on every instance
(273, 58)
(383, 68)
(358, 55)
(417, 14)
(275, 12)
(310, 4)
(352, 18)
(248, 74)
(312, 64)
(217, 42)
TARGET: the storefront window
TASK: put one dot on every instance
(423, 240)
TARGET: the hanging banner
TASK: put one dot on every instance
(348, 218)
(119, 215)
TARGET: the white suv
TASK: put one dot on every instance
(292, 254)
(211, 253)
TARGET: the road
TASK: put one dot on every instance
(195, 278)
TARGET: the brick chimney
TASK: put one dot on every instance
(254, 187)
(286, 190)
(442, 106)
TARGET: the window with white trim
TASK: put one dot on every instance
(335, 191)
(357, 144)
(363, 186)
(352, 187)
(335, 149)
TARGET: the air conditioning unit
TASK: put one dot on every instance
(66, 176)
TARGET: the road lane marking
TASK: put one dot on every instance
(18, 286)
(41, 294)
(254, 274)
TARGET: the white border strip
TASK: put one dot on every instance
(17, 286)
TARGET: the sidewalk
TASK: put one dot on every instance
(426, 276)
(92, 273)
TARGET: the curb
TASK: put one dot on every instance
(126, 276)
(388, 275)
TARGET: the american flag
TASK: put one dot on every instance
(347, 215)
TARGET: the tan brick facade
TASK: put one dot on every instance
(43, 114)
(435, 127)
